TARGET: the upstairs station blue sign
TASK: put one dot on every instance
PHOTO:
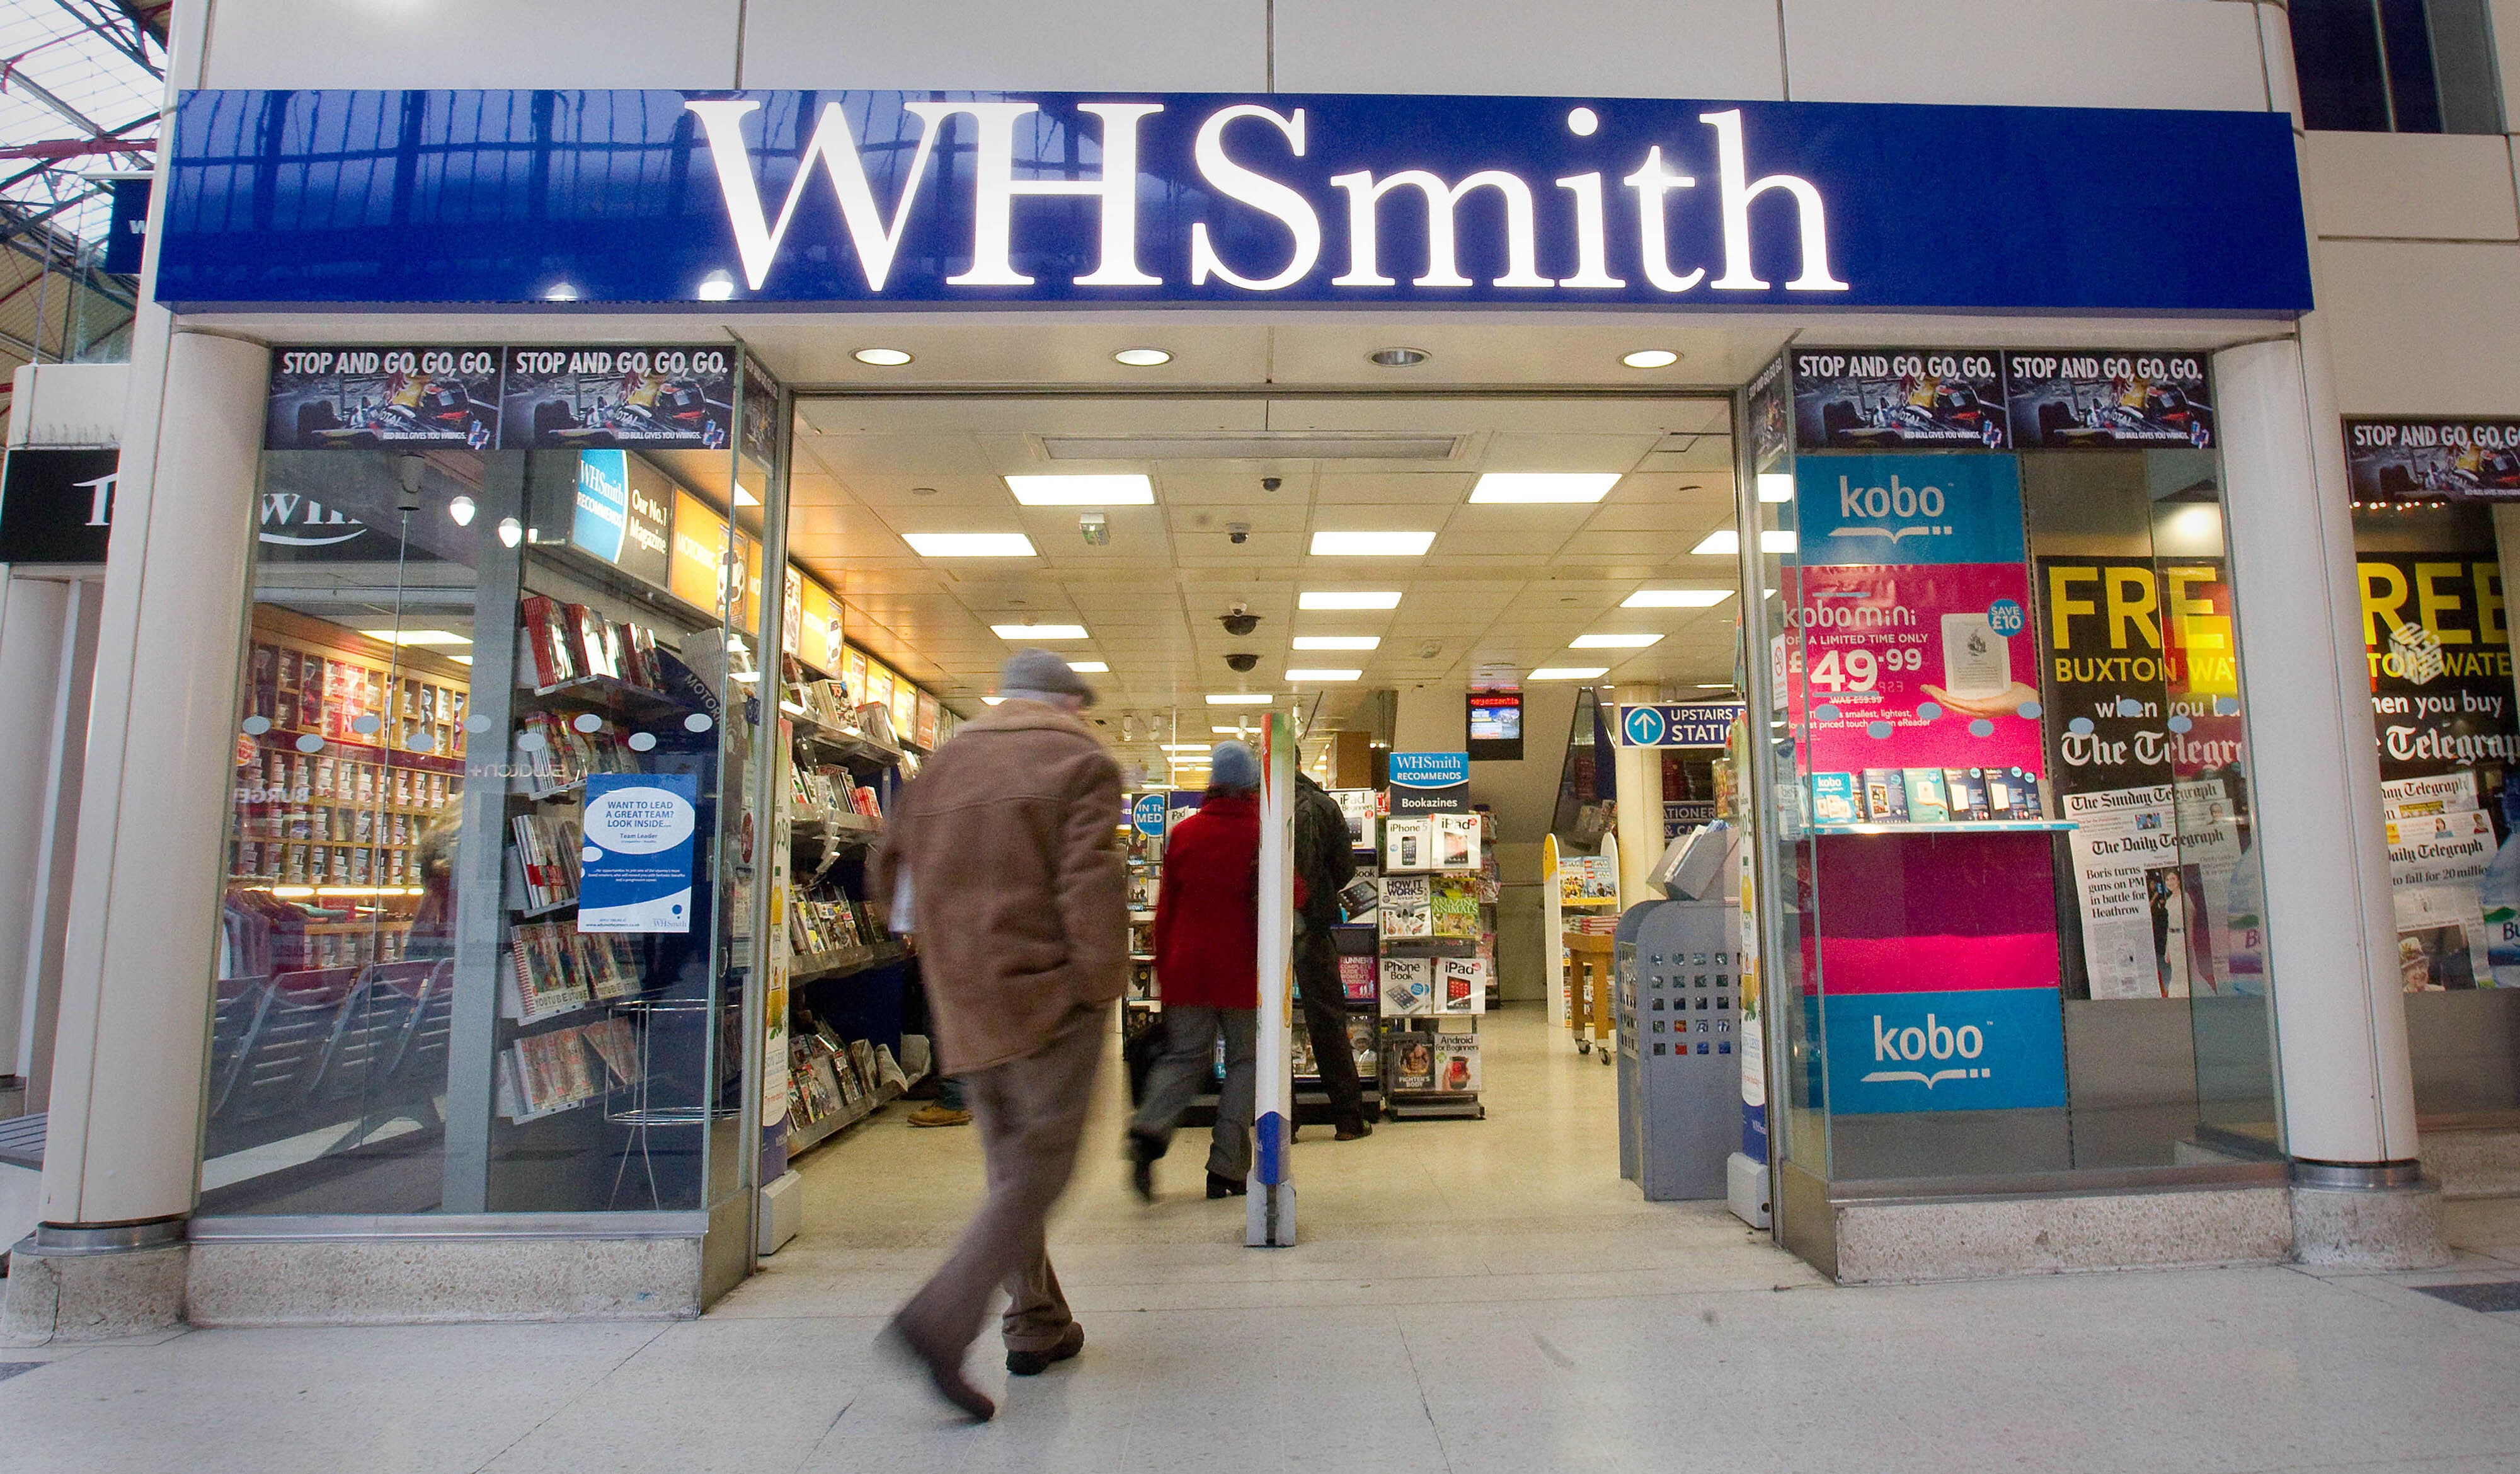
(850, 199)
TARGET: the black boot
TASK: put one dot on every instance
(1226, 1187)
(1143, 1152)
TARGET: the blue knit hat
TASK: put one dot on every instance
(1234, 766)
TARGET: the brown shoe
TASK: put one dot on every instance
(939, 1115)
(944, 1373)
(1351, 1132)
(1032, 1363)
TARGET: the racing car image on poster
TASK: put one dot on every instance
(658, 398)
(2065, 400)
(2433, 460)
(1883, 400)
(363, 399)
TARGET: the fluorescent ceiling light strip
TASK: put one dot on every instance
(1039, 631)
(1612, 641)
(1676, 598)
(1724, 542)
(970, 544)
(417, 636)
(1319, 677)
(1240, 699)
(1544, 485)
(1568, 672)
(1333, 600)
(1776, 486)
(1090, 668)
(1130, 490)
(1371, 545)
(1337, 641)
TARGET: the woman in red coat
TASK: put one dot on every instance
(1207, 971)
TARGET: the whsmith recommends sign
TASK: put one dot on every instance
(595, 197)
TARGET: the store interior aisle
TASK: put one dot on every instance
(1527, 1203)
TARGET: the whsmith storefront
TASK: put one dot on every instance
(2048, 491)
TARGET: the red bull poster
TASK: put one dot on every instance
(2421, 460)
(383, 398)
(2090, 400)
(638, 398)
(1899, 399)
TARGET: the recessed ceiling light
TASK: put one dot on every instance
(1337, 641)
(970, 544)
(1314, 678)
(560, 293)
(1371, 545)
(1676, 598)
(1239, 698)
(1542, 486)
(1724, 543)
(744, 497)
(717, 287)
(418, 637)
(1776, 486)
(1039, 631)
(991, 701)
(1612, 641)
(1142, 357)
(1385, 600)
(1127, 489)
(1090, 668)
(1398, 358)
(1649, 359)
(882, 357)
(1568, 672)
(923, 491)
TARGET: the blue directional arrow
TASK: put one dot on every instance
(1645, 726)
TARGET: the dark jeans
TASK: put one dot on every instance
(1326, 1019)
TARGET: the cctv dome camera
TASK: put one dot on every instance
(1237, 532)
(1238, 623)
(1242, 659)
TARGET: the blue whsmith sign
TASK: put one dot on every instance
(840, 199)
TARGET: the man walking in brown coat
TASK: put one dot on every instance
(1003, 850)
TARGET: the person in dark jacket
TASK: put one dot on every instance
(1325, 861)
(1207, 973)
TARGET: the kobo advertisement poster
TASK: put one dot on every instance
(1906, 666)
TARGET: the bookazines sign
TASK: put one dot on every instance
(842, 198)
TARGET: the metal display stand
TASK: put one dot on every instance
(1680, 1064)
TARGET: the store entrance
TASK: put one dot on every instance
(1471, 572)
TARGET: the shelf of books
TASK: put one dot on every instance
(1435, 962)
(847, 755)
(349, 768)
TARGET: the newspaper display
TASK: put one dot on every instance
(2153, 871)
(2440, 842)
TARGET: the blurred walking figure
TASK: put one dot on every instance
(1207, 972)
(1002, 852)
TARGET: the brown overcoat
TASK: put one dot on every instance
(1019, 898)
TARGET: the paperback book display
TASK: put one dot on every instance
(1434, 968)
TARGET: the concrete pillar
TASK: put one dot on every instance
(119, 1166)
(47, 655)
(30, 638)
(2349, 1107)
(1639, 771)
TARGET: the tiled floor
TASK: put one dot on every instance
(1468, 1296)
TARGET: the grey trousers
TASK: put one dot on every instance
(1031, 1113)
(1190, 1051)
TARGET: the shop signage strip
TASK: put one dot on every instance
(1676, 724)
(306, 197)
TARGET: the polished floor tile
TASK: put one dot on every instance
(1468, 1297)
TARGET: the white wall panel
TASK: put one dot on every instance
(2421, 328)
(2026, 53)
(1072, 45)
(1599, 48)
(2412, 186)
(470, 43)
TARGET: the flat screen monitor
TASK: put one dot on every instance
(1496, 726)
